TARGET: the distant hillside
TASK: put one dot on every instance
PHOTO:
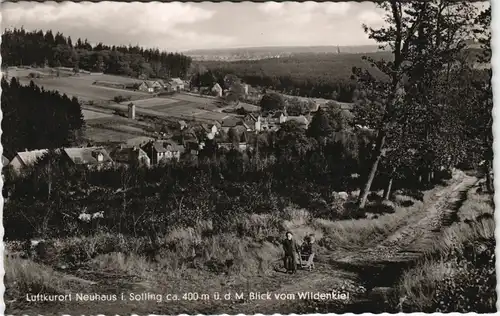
(319, 75)
(252, 53)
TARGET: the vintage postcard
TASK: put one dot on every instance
(244, 158)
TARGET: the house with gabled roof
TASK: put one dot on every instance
(159, 151)
(177, 84)
(146, 86)
(129, 155)
(26, 158)
(90, 157)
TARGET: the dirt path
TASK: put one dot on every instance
(363, 274)
(367, 274)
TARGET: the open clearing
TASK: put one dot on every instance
(153, 102)
(183, 106)
(95, 114)
(79, 86)
(83, 89)
(105, 126)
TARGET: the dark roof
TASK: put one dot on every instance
(278, 114)
(250, 117)
(159, 147)
(148, 84)
(230, 122)
(205, 127)
(240, 129)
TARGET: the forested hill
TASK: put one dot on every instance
(20, 47)
(308, 75)
(311, 75)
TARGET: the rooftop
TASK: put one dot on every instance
(87, 155)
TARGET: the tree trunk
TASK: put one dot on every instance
(387, 191)
(388, 188)
(366, 189)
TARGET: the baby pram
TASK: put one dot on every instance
(306, 263)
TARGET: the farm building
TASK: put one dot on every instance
(91, 157)
(26, 158)
(146, 86)
(130, 155)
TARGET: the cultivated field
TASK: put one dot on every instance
(80, 85)
(104, 125)
(184, 106)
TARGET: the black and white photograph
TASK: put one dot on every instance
(247, 158)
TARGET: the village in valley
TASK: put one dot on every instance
(162, 120)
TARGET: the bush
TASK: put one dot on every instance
(380, 208)
(472, 287)
(120, 98)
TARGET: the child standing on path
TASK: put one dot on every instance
(291, 249)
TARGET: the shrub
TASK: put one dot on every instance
(472, 287)
(120, 98)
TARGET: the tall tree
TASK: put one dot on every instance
(421, 37)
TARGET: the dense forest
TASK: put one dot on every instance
(320, 76)
(20, 47)
(36, 119)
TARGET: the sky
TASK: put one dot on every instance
(182, 26)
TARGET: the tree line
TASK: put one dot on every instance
(36, 48)
(34, 118)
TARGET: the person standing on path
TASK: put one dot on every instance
(291, 249)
